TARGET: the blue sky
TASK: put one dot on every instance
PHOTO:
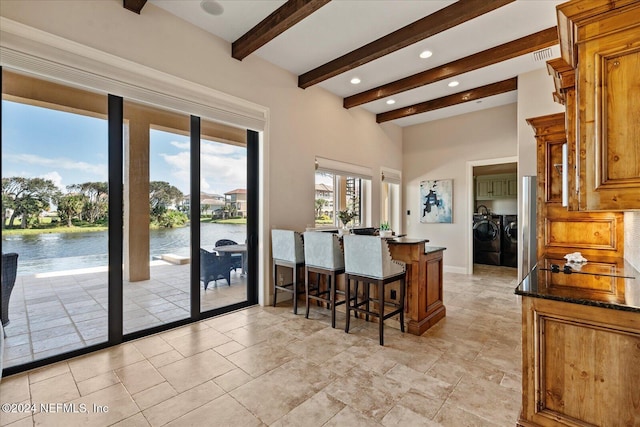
(71, 149)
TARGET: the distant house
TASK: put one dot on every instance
(324, 191)
(236, 200)
(209, 203)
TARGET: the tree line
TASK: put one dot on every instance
(86, 203)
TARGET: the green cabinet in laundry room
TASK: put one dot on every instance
(500, 186)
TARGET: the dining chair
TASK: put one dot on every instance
(287, 249)
(214, 267)
(323, 255)
(367, 259)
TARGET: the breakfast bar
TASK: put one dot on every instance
(424, 304)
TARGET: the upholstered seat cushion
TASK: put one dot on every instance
(369, 256)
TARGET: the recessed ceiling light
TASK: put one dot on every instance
(391, 101)
(212, 7)
(453, 83)
(426, 54)
(355, 81)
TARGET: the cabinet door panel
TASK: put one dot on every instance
(622, 108)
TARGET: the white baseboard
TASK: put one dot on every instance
(453, 269)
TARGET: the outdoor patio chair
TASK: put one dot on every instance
(214, 267)
(9, 271)
(236, 259)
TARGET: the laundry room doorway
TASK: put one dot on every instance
(492, 187)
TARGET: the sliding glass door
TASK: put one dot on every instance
(108, 204)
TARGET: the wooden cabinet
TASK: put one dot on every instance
(600, 40)
(580, 365)
(560, 231)
(502, 186)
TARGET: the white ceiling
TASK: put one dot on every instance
(344, 25)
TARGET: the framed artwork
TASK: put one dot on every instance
(436, 201)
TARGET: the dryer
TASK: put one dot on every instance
(510, 241)
(487, 239)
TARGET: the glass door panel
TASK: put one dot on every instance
(222, 208)
(54, 217)
(156, 218)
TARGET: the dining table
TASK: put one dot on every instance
(235, 249)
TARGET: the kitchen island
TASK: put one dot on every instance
(580, 344)
(424, 305)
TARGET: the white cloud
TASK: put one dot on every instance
(56, 178)
(99, 169)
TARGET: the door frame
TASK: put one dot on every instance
(468, 217)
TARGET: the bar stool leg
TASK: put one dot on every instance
(402, 292)
(381, 309)
(295, 289)
(306, 289)
(348, 304)
(331, 282)
(275, 283)
(367, 285)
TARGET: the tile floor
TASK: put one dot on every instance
(265, 366)
(51, 313)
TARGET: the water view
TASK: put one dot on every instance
(68, 251)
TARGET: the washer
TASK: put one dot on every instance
(487, 239)
(510, 241)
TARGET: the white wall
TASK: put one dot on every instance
(302, 124)
(441, 150)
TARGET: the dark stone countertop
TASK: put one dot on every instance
(405, 241)
(432, 249)
(612, 284)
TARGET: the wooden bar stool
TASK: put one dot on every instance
(368, 260)
(287, 250)
(324, 256)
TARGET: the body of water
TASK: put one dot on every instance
(65, 251)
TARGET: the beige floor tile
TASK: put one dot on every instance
(94, 364)
(183, 403)
(401, 416)
(48, 372)
(261, 358)
(428, 407)
(152, 346)
(61, 388)
(453, 416)
(97, 383)
(368, 392)
(229, 348)
(197, 369)
(15, 388)
(223, 411)
(198, 341)
(420, 383)
(352, 418)
(274, 394)
(165, 358)
(251, 335)
(154, 395)
(486, 399)
(233, 379)
(315, 411)
(139, 376)
(119, 403)
(138, 420)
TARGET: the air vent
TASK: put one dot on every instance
(542, 55)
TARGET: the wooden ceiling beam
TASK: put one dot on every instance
(283, 18)
(513, 49)
(134, 5)
(441, 20)
(447, 101)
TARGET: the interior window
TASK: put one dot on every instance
(336, 192)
